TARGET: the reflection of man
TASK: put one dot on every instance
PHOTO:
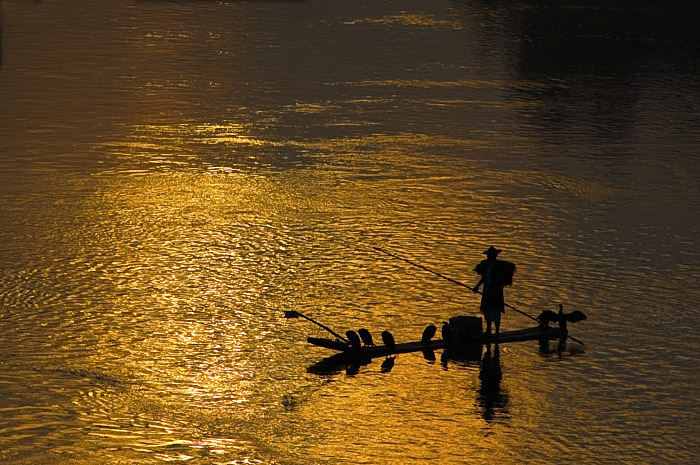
(490, 374)
(494, 275)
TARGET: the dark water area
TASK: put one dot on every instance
(175, 175)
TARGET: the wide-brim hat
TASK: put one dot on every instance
(492, 251)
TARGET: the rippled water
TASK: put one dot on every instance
(174, 175)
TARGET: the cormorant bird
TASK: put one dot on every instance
(388, 340)
(366, 337)
(561, 318)
(428, 333)
(446, 332)
(354, 339)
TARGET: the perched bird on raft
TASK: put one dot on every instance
(388, 340)
(353, 339)
(366, 337)
(428, 333)
(561, 318)
(445, 331)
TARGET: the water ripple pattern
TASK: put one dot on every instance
(177, 174)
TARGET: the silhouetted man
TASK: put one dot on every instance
(494, 275)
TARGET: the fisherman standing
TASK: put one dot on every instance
(495, 274)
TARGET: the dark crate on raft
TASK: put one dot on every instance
(465, 331)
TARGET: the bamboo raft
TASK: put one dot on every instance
(537, 333)
(462, 350)
(463, 338)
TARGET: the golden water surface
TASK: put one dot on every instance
(175, 175)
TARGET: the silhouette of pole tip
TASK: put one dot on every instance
(295, 314)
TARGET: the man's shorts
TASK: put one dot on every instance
(493, 316)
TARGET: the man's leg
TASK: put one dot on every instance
(497, 322)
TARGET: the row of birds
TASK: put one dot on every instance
(364, 337)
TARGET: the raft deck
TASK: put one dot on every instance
(348, 356)
(528, 334)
